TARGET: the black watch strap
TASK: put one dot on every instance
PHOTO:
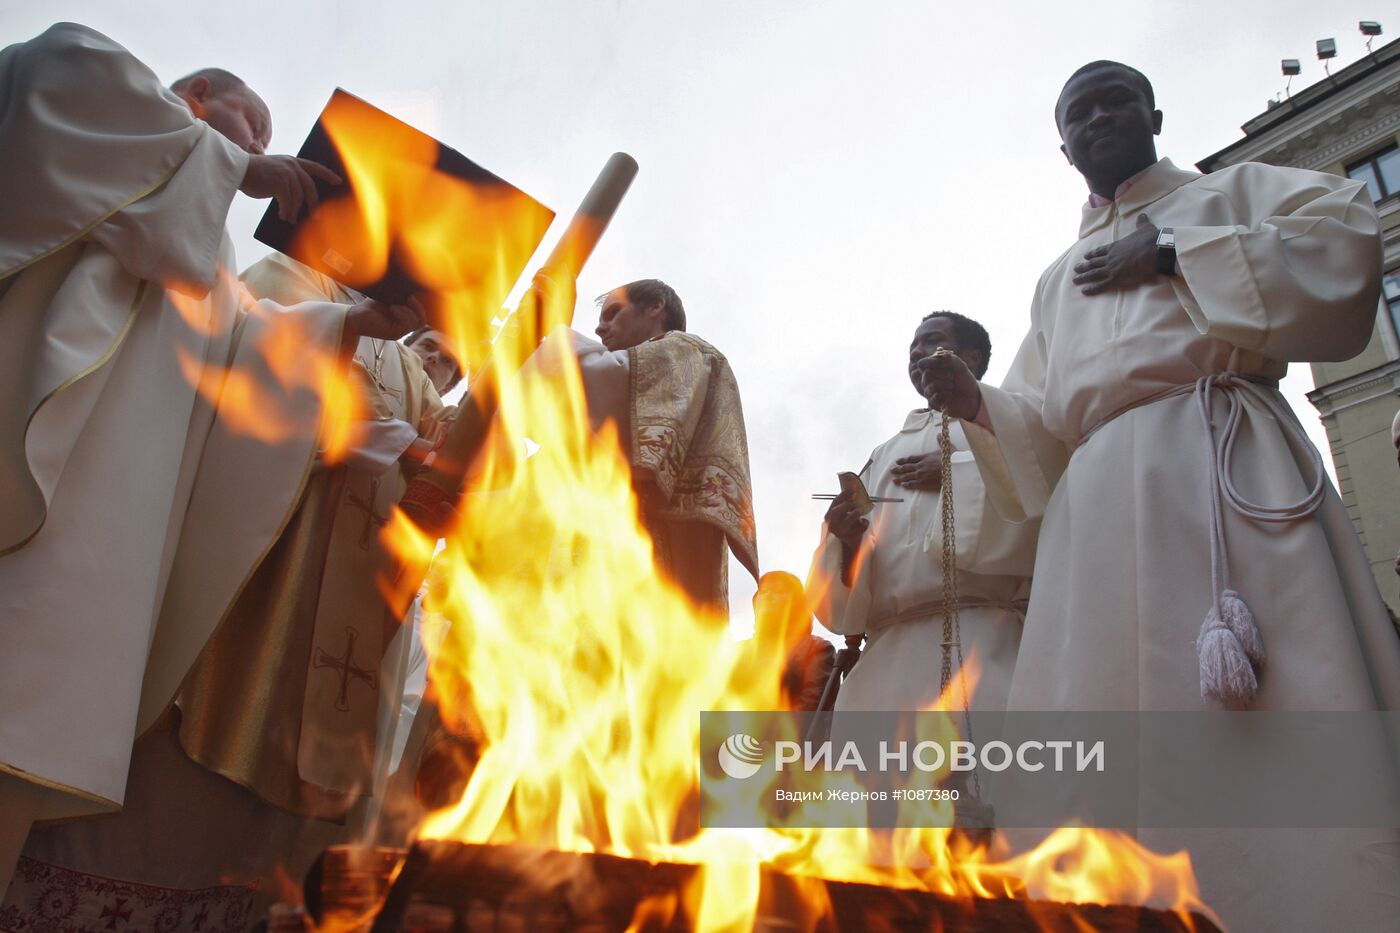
(1166, 251)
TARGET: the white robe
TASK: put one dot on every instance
(118, 308)
(203, 830)
(1274, 265)
(99, 429)
(896, 596)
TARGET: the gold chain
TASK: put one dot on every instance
(951, 627)
(952, 624)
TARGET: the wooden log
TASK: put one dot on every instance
(519, 887)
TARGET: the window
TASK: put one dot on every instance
(1391, 286)
(1381, 173)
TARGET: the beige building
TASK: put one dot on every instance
(1349, 124)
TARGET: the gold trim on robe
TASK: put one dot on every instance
(688, 434)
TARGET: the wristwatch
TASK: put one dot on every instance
(1166, 251)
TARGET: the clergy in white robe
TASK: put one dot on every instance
(117, 309)
(139, 490)
(891, 589)
(1099, 429)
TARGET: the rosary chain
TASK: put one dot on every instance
(952, 625)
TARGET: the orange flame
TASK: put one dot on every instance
(282, 361)
(654, 912)
(586, 672)
(463, 242)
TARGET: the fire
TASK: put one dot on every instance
(585, 672)
(293, 364)
(1077, 866)
(557, 561)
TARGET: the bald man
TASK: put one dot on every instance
(118, 306)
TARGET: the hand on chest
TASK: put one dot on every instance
(909, 468)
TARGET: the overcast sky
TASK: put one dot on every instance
(815, 176)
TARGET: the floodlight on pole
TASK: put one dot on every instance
(1370, 29)
(1326, 51)
(1291, 68)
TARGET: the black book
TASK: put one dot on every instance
(414, 216)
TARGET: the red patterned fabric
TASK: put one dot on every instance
(428, 506)
(48, 899)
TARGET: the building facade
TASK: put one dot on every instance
(1349, 124)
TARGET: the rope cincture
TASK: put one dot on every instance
(1230, 647)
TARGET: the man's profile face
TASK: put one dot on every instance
(623, 324)
(237, 113)
(439, 362)
(938, 333)
(1106, 123)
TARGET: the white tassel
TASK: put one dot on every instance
(1226, 672)
(1242, 625)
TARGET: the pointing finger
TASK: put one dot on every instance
(317, 170)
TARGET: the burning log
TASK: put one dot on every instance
(518, 887)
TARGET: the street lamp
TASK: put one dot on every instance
(1370, 29)
(1326, 51)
